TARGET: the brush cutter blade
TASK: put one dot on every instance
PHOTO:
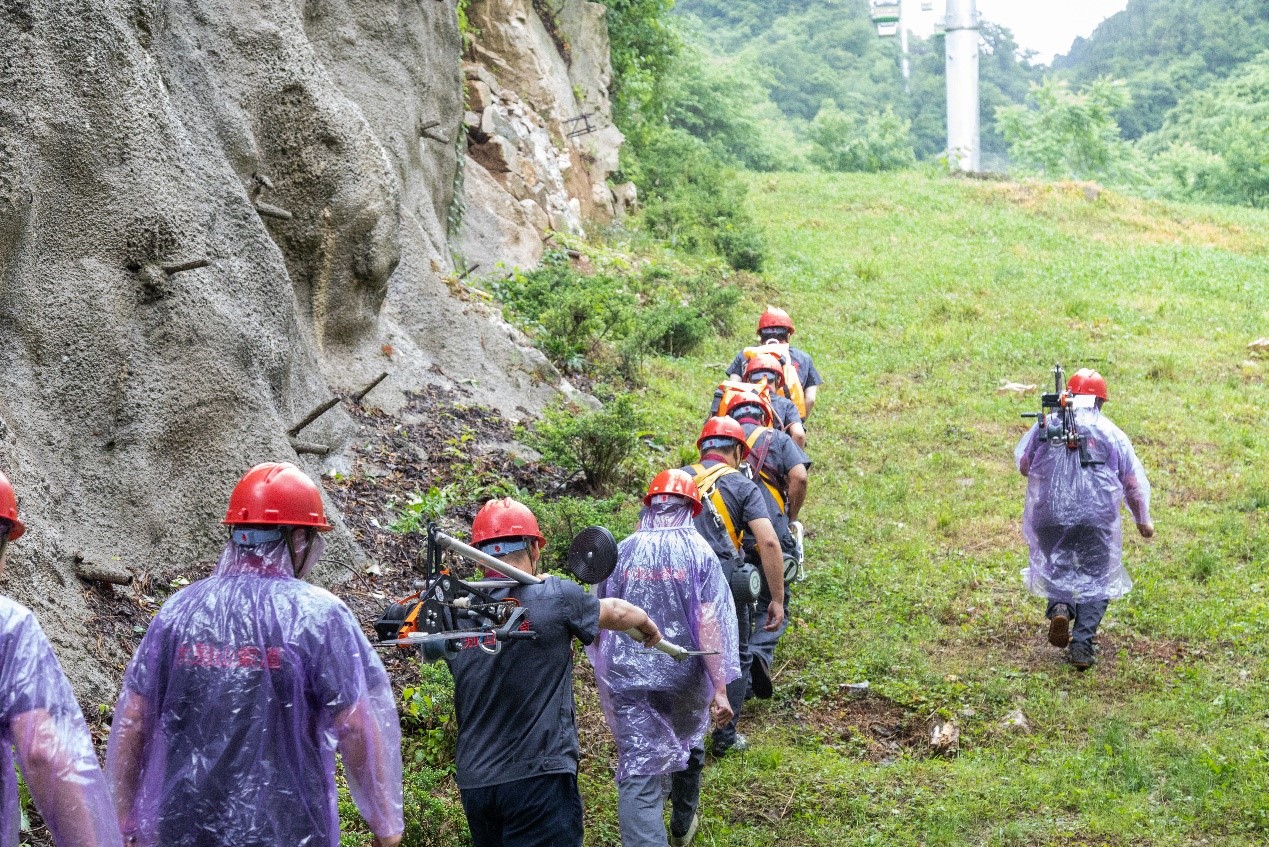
(592, 555)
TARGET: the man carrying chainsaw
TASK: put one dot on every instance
(517, 735)
(41, 723)
(765, 370)
(245, 686)
(658, 709)
(801, 380)
(1080, 468)
(780, 468)
(734, 509)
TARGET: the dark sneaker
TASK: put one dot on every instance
(760, 678)
(685, 839)
(738, 745)
(1081, 655)
(1060, 626)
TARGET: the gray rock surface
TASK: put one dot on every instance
(307, 152)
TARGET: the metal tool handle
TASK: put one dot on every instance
(448, 542)
(670, 649)
(452, 544)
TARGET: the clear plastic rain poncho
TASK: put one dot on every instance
(243, 688)
(657, 708)
(43, 726)
(1072, 515)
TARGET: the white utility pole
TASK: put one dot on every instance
(962, 86)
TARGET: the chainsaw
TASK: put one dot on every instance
(1061, 403)
(449, 614)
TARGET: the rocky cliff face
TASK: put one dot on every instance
(215, 213)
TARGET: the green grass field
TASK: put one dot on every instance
(917, 295)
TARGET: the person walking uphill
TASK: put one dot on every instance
(1071, 520)
(659, 709)
(41, 722)
(802, 381)
(518, 750)
(243, 688)
(733, 509)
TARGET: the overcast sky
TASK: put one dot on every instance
(1049, 26)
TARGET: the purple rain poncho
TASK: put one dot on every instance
(657, 708)
(42, 724)
(1071, 520)
(245, 685)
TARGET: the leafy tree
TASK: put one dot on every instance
(1063, 133)
(1165, 49)
(1215, 144)
(644, 47)
(846, 141)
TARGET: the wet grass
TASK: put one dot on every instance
(917, 295)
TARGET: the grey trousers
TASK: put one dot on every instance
(762, 644)
(725, 736)
(641, 803)
(1088, 616)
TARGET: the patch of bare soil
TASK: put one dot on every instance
(867, 726)
(1024, 644)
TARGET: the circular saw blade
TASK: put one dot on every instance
(592, 555)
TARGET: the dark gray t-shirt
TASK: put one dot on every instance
(801, 361)
(744, 503)
(515, 710)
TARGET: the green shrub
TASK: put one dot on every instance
(561, 519)
(851, 141)
(597, 444)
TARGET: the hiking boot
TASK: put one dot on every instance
(685, 839)
(1081, 655)
(1060, 626)
(739, 744)
(760, 678)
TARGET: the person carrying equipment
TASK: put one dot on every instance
(801, 381)
(1077, 477)
(780, 468)
(245, 686)
(659, 709)
(734, 509)
(516, 762)
(40, 722)
(765, 371)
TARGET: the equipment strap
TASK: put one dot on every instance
(706, 480)
(760, 467)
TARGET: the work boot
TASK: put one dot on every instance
(686, 838)
(1081, 655)
(760, 678)
(1060, 625)
(739, 744)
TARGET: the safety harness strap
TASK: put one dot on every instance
(706, 480)
(759, 468)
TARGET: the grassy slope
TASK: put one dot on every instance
(916, 295)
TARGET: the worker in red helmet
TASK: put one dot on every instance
(517, 754)
(775, 331)
(766, 368)
(1071, 521)
(245, 686)
(780, 468)
(735, 511)
(659, 709)
(42, 726)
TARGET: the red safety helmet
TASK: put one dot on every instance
(775, 318)
(740, 399)
(1087, 381)
(9, 508)
(724, 427)
(505, 518)
(765, 363)
(678, 482)
(276, 494)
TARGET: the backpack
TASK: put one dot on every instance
(792, 387)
